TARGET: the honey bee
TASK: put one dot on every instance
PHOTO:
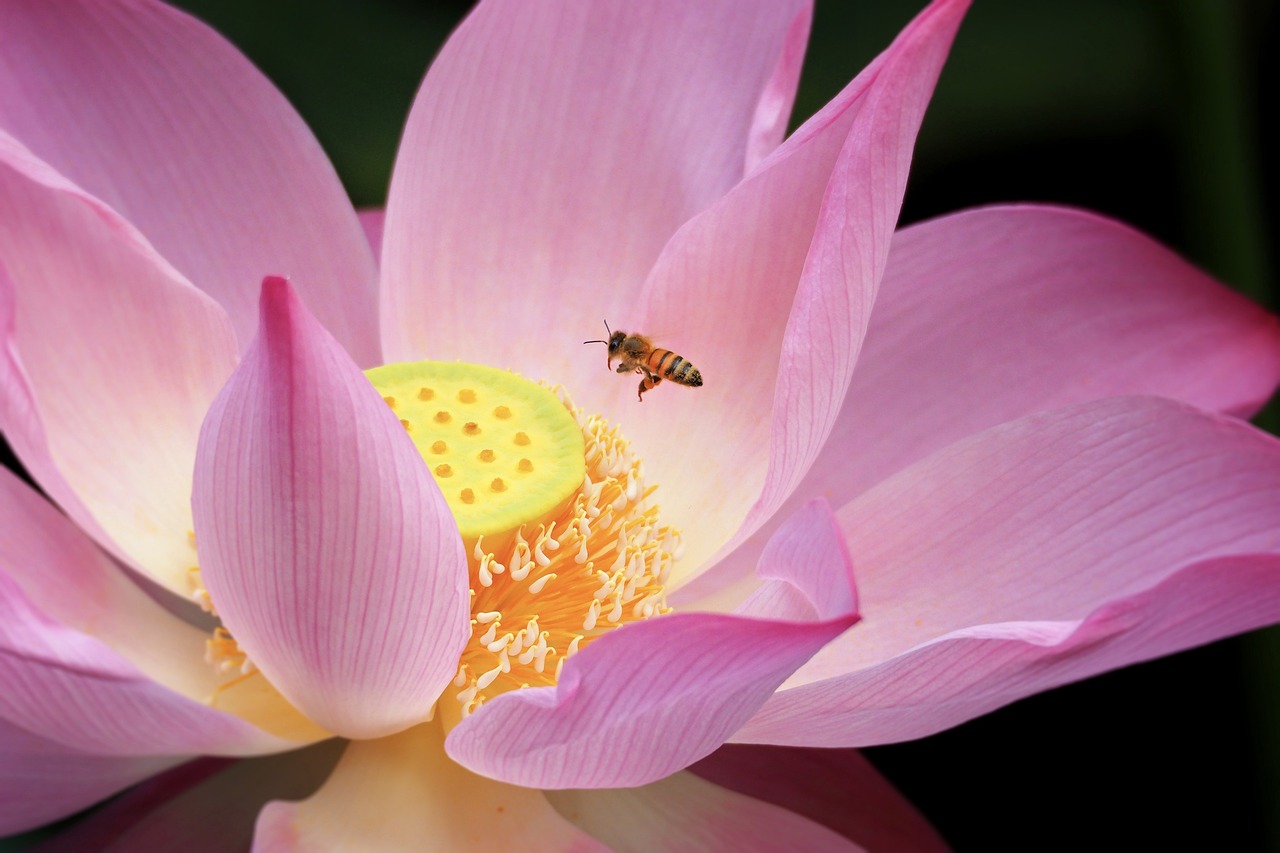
(654, 364)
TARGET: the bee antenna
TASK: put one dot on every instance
(607, 329)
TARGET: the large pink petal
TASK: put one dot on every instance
(110, 363)
(325, 543)
(403, 793)
(838, 788)
(769, 293)
(686, 813)
(652, 697)
(551, 152)
(67, 687)
(158, 116)
(41, 780)
(992, 314)
(972, 671)
(1036, 553)
(73, 583)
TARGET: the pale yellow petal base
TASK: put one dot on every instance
(255, 700)
(404, 793)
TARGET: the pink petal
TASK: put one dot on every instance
(769, 292)
(1037, 553)
(207, 804)
(992, 314)
(41, 780)
(158, 116)
(685, 812)
(652, 697)
(403, 793)
(837, 788)
(552, 151)
(806, 570)
(773, 112)
(989, 315)
(110, 363)
(327, 548)
(65, 686)
(972, 671)
(71, 582)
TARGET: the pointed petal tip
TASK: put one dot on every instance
(816, 529)
(277, 294)
(845, 601)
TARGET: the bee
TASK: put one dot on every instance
(654, 364)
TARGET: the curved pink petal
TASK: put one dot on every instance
(325, 544)
(652, 697)
(1039, 552)
(110, 363)
(207, 804)
(837, 788)
(73, 583)
(769, 293)
(157, 115)
(65, 686)
(685, 812)
(41, 780)
(973, 671)
(991, 314)
(403, 793)
(773, 111)
(552, 151)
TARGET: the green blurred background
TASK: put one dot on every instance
(1147, 110)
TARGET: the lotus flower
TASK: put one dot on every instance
(424, 519)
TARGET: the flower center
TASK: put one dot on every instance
(503, 450)
(564, 543)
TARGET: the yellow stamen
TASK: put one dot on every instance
(564, 544)
(199, 594)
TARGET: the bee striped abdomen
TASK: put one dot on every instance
(677, 368)
(636, 354)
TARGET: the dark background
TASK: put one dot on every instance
(1146, 110)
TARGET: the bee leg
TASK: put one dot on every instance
(650, 380)
(622, 368)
